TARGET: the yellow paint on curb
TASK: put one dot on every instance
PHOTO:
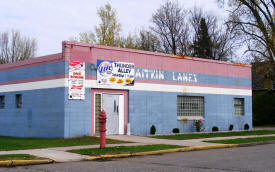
(215, 146)
(24, 162)
(185, 149)
(54, 160)
(5, 163)
(93, 158)
(115, 156)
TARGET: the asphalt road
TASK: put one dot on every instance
(259, 158)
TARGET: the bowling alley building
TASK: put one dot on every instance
(61, 95)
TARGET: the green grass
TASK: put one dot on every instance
(216, 134)
(19, 157)
(243, 140)
(16, 143)
(123, 149)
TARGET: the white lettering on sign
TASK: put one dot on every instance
(149, 74)
(170, 76)
(185, 77)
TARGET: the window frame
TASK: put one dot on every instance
(19, 101)
(192, 105)
(2, 101)
(241, 105)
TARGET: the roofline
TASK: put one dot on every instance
(152, 53)
(60, 57)
(32, 61)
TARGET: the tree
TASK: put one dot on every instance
(203, 44)
(222, 40)
(86, 37)
(108, 31)
(14, 47)
(253, 22)
(129, 42)
(148, 41)
(170, 27)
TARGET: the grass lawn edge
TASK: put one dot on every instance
(241, 141)
(189, 136)
(18, 143)
(124, 149)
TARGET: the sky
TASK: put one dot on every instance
(52, 21)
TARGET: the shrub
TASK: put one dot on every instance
(176, 130)
(198, 125)
(246, 126)
(215, 128)
(153, 130)
(231, 126)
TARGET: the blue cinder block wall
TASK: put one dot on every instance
(42, 112)
(77, 119)
(148, 108)
(41, 115)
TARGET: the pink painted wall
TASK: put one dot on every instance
(144, 59)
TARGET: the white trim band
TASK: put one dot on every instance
(54, 83)
(173, 88)
(138, 87)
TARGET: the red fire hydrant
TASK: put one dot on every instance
(102, 128)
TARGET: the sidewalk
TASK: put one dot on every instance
(190, 143)
(149, 140)
(59, 154)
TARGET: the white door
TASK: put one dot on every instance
(110, 104)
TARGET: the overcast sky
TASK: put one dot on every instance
(52, 21)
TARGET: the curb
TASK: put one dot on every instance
(186, 149)
(257, 143)
(9, 163)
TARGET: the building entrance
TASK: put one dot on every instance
(113, 105)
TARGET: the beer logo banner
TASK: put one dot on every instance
(76, 80)
(116, 73)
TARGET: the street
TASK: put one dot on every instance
(254, 158)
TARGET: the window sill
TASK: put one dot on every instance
(189, 118)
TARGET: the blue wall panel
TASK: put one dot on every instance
(160, 109)
(50, 69)
(78, 116)
(41, 115)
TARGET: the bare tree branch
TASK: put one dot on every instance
(14, 47)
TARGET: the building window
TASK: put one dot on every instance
(2, 102)
(18, 100)
(239, 106)
(190, 106)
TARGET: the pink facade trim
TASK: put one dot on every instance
(147, 52)
(149, 60)
(32, 62)
(124, 92)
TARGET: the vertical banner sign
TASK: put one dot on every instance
(115, 73)
(77, 80)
